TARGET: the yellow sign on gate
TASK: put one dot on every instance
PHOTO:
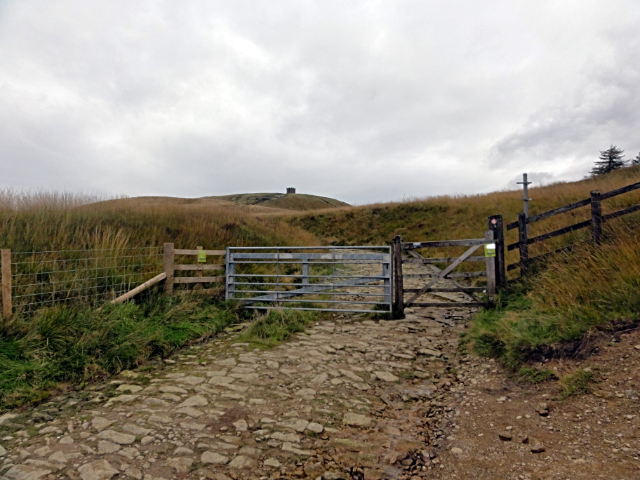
(490, 250)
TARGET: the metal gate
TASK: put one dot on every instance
(334, 279)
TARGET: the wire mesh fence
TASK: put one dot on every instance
(90, 277)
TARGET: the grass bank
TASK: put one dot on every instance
(65, 346)
(591, 288)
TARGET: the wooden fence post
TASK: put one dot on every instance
(596, 217)
(491, 270)
(168, 261)
(496, 226)
(198, 286)
(523, 237)
(397, 274)
(6, 283)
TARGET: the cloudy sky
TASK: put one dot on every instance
(359, 100)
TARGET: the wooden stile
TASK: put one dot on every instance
(7, 306)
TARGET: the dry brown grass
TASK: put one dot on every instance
(59, 221)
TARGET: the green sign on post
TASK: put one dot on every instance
(202, 256)
(490, 250)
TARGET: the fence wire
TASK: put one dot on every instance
(90, 277)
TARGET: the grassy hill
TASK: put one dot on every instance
(242, 203)
(292, 201)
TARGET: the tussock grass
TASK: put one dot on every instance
(534, 375)
(576, 383)
(71, 345)
(276, 326)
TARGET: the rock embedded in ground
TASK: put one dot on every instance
(242, 461)
(505, 436)
(272, 462)
(26, 472)
(542, 409)
(537, 448)
(214, 458)
(106, 447)
(98, 470)
(241, 425)
(356, 420)
(194, 401)
(315, 427)
(313, 470)
(386, 376)
(117, 437)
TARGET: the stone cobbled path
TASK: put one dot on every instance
(349, 398)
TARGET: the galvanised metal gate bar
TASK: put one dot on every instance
(333, 279)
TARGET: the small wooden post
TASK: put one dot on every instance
(523, 238)
(596, 217)
(6, 282)
(496, 226)
(491, 270)
(168, 262)
(397, 274)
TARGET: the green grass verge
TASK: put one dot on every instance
(276, 326)
(72, 345)
(591, 288)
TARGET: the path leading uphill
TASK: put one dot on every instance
(349, 399)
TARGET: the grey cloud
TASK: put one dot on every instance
(364, 101)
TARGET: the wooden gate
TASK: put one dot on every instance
(487, 259)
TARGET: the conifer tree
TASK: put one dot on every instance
(636, 161)
(610, 159)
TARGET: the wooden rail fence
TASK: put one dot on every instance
(595, 223)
